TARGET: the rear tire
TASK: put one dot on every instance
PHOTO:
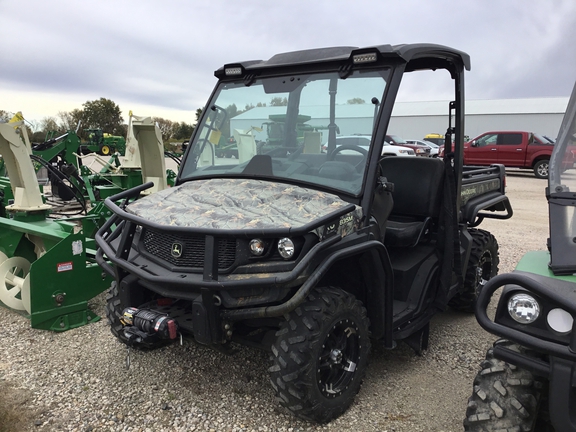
(541, 169)
(507, 398)
(482, 266)
(321, 354)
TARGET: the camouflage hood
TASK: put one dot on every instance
(236, 204)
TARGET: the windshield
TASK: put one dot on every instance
(542, 139)
(561, 189)
(562, 173)
(286, 128)
(397, 139)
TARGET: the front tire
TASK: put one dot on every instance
(507, 398)
(482, 266)
(320, 355)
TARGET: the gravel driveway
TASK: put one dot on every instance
(78, 381)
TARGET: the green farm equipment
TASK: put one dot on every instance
(98, 142)
(103, 143)
(48, 270)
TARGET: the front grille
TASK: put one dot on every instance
(160, 245)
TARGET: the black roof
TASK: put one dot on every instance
(424, 54)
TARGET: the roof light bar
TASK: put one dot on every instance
(364, 58)
(230, 71)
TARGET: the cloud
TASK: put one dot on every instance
(162, 55)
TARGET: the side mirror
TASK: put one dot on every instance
(474, 144)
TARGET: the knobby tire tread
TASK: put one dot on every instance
(507, 398)
(299, 339)
(482, 241)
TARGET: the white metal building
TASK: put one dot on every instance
(414, 120)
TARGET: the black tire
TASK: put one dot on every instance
(114, 309)
(541, 169)
(315, 350)
(507, 398)
(482, 266)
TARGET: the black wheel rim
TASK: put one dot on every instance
(339, 358)
(484, 270)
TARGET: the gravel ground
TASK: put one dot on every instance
(78, 381)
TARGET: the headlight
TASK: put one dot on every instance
(523, 308)
(559, 320)
(402, 151)
(256, 247)
(286, 248)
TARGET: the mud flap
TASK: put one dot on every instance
(204, 319)
(418, 340)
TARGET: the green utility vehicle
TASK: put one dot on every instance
(311, 255)
(528, 380)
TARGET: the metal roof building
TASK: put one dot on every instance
(413, 120)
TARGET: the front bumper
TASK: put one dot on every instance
(558, 363)
(270, 292)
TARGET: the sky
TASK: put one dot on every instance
(158, 58)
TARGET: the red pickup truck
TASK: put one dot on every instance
(513, 149)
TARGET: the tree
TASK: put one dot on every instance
(103, 114)
(166, 127)
(356, 101)
(183, 131)
(279, 101)
(4, 116)
(48, 124)
(70, 120)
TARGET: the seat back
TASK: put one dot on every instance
(418, 183)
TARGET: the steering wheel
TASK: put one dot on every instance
(352, 147)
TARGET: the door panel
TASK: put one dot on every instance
(510, 149)
(484, 151)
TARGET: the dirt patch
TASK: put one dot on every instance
(15, 412)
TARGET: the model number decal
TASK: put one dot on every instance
(346, 219)
(65, 266)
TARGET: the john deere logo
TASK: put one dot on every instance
(177, 250)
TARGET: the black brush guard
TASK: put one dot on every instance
(560, 369)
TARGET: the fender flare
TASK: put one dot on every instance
(380, 309)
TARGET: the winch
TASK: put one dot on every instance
(142, 326)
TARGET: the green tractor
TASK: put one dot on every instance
(103, 143)
(528, 380)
